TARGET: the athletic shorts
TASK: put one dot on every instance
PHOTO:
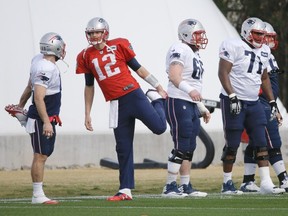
(183, 118)
(40, 143)
(252, 117)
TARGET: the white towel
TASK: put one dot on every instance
(30, 126)
(113, 114)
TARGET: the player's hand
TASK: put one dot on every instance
(235, 104)
(162, 92)
(48, 130)
(275, 113)
(204, 112)
(88, 123)
(206, 117)
(195, 95)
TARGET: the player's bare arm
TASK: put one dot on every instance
(18, 110)
(223, 74)
(175, 76)
(25, 95)
(88, 96)
(148, 77)
(175, 73)
(39, 95)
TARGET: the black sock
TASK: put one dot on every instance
(282, 176)
(248, 178)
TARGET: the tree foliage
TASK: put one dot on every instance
(274, 12)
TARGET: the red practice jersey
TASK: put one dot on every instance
(109, 67)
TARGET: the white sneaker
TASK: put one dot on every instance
(153, 95)
(229, 189)
(171, 191)
(43, 200)
(268, 188)
(190, 191)
(284, 184)
(249, 187)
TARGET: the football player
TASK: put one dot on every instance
(242, 70)
(43, 115)
(185, 72)
(109, 62)
(272, 129)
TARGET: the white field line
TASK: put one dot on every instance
(153, 196)
(8, 203)
(143, 207)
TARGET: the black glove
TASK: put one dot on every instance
(235, 105)
(274, 110)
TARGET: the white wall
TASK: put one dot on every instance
(151, 27)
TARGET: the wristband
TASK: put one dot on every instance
(202, 108)
(184, 86)
(152, 80)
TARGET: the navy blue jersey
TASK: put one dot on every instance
(52, 102)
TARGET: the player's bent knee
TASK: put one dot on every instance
(177, 156)
(229, 155)
(275, 155)
(188, 156)
(160, 131)
(274, 152)
(261, 153)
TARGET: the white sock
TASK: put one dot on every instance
(184, 179)
(171, 178)
(227, 177)
(126, 191)
(250, 168)
(279, 167)
(173, 169)
(264, 174)
(38, 189)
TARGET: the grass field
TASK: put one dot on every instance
(84, 192)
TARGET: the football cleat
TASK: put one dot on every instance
(269, 188)
(249, 187)
(44, 200)
(119, 197)
(171, 191)
(229, 188)
(152, 94)
(190, 191)
(17, 112)
(284, 184)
